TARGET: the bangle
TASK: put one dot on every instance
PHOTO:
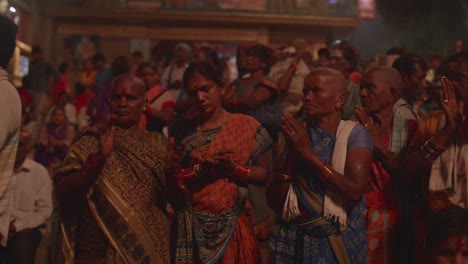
(284, 177)
(235, 101)
(326, 171)
(240, 173)
(93, 164)
(191, 174)
(435, 145)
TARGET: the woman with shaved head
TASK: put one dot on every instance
(380, 90)
(321, 184)
(111, 187)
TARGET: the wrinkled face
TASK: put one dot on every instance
(453, 250)
(320, 96)
(205, 93)
(339, 63)
(150, 77)
(415, 84)
(375, 92)
(58, 117)
(126, 103)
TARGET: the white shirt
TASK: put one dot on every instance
(10, 120)
(172, 73)
(32, 196)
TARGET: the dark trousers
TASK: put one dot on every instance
(21, 248)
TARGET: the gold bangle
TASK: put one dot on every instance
(326, 171)
(284, 177)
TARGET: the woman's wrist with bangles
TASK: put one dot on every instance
(93, 165)
(431, 150)
(240, 173)
(326, 172)
(191, 174)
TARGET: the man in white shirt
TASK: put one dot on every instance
(173, 74)
(10, 120)
(31, 206)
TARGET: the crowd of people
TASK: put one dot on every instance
(294, 161)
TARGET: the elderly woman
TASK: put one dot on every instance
(322, 181)
(221, 154)
(380, 90)
(111, 188)
(55, 139)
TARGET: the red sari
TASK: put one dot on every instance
(213, 227)
(382, 213)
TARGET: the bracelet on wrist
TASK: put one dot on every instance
(284, 177)
(240, 174)
(326, 172)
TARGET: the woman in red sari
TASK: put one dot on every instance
(218, 155)
(380, 90)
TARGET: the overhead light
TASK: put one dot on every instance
(12, 9)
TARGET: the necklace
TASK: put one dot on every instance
(199, 134)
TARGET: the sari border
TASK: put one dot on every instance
(105, 230)
(128, 215)
(67, 250)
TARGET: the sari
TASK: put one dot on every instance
(213, 226)
(121, 218)
(297, 241)
(382, 213)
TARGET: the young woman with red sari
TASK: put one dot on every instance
(218, 155)
(380, 90)
(159, 108)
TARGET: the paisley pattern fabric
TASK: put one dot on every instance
(122, 217)
(213, 227)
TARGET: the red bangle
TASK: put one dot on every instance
(93, 164)
(191, 174)
(235, 101)
(240, 173)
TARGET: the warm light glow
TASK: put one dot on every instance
(12, 9)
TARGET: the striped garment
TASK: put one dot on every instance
(10, 120)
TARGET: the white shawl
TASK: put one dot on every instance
(333, 205)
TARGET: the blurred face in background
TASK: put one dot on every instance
(452, 250)
(150, 77)
(416, 83)
(339, 63)
(375, 92)
(58, 116)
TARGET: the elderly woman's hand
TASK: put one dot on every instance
(106, 138)
(296, 136)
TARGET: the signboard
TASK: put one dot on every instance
(367, 9)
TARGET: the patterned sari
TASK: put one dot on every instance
(121, 218)
(297, 241)
(382, 213)
(213, 227)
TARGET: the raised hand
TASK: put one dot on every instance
(296, 135)
(106, 138)
(452, 108)
(173, 157)
(374, 131)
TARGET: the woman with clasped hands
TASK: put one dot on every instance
(111, 187)
(322, 181)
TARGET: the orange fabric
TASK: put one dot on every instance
(380, 230)
(243, 248)
(219, 196)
